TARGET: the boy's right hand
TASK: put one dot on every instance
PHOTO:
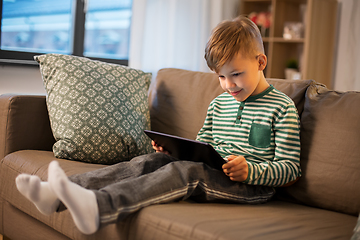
(158, 148)
(236, 168)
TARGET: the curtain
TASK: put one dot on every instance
(347, 64)
(173, 33)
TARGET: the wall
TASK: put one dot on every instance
(27, 79)
(347, 63)
(21, 79)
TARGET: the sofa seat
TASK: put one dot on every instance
(182, 220)
(278, 220)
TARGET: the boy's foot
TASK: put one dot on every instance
(81, 202)
(38, 192)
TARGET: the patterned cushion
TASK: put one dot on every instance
(356, 235)
(97, 110)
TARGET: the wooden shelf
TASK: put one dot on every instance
(257, 0)
(314, 51)
(283, 40)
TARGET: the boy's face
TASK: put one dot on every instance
(243, 77)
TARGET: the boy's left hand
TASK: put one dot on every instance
(158, 148)
(237, 168)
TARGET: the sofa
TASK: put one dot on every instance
(323, 204)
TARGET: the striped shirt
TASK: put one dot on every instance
(264, 129)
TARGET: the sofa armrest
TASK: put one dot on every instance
(24, 124)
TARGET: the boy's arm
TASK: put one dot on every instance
(205, 133)
(285, 167)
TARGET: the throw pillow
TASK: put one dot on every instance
(356, 235)
(97, 110)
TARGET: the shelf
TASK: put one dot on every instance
(257, 1)
(283, 40)
(317, 43)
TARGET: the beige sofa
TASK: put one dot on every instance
(323, 204)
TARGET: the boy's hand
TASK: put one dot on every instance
(158, 148)
(237, 168)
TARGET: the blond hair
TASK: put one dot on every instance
(229, 38)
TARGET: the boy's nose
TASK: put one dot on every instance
(229, 83)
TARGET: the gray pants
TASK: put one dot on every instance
(126, 187)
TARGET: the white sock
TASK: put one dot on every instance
(38, 192)
(81, 202)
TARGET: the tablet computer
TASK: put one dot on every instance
(187, 149)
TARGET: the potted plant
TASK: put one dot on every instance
(292, 70)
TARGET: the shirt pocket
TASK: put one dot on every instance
(260, 135)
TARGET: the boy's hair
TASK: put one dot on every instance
(229, 38)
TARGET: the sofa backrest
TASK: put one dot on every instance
(178, 99)
(295, 89)
(330, 151)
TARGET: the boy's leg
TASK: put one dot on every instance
(178, 180)
(124, 170)
(79, 201)
(38, 192)
(106, 176)
(47, 202)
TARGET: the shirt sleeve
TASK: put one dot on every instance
(285, 167)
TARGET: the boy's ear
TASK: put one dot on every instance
(262, 59)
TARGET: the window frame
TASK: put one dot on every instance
(8, 57)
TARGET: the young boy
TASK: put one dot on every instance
(252, 125)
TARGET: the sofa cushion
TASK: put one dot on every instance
(181, 111)
(97, 110)
(273, 220)
(330, 155)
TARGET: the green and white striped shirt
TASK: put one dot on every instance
(264, 129)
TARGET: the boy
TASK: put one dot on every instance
(252, 125)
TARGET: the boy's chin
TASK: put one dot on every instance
(240, 98)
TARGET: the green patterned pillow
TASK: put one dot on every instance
(97, 110)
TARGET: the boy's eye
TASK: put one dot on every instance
(237, 74)
(221, 77)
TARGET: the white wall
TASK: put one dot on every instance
(21, 79)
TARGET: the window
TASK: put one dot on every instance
(98, 29)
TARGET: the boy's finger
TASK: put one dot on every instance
(231, 163)
(228, 165)
(235, 170)
(231, 157)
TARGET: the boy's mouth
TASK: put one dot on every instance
(235, 93)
